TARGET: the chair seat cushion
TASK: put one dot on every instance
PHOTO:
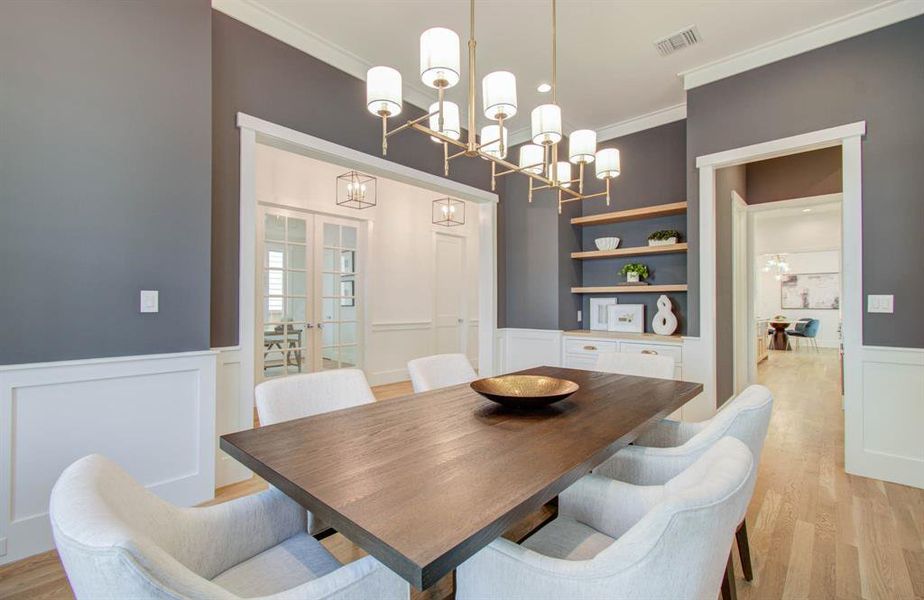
(295, 561)
(568, 539)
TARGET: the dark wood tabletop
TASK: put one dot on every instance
(425, 481)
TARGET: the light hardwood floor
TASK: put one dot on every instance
(815, 531)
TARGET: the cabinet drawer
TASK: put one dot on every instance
(587, 362)
(674, 352)
(594, 347)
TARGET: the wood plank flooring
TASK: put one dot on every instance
(815, 531)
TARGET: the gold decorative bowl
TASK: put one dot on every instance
(524, 391)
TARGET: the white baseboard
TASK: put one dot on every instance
(154, 415)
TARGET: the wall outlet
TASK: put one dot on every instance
(149, 301)
(880, 303)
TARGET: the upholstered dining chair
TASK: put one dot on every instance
(669, 447)
(119, 540)
(616, 540)
(807, 329)
(640, 364)
(298, 396)
(439, 371)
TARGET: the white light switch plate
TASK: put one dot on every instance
(149, 301)
(881, 303)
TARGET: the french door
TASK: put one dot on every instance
(309, 305)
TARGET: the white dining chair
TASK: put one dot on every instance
(118, 540)
(439, 371)
(298, 396)
(616, 540)
(640, 364)
(669, 447)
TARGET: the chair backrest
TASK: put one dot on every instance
(117, 539)
(811, 329)
(691, 529)
(439, 371)
(642, 365)
(298, 396)
(745, 417)
(801, 324)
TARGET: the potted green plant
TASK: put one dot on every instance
(664, 237)
(634, 272)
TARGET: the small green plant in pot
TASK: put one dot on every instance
(634, 272)
(663, 237)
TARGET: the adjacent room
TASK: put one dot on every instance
(461, 299)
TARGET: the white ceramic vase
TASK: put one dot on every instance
(632, 277)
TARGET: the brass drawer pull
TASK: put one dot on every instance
(590, 347)
(649, 352)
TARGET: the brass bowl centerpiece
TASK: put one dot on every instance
(524, 391)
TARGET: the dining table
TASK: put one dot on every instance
(425, 481)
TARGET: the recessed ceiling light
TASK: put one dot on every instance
(806, 210)
(544, 88)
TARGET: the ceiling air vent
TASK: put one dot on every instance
(677, 41)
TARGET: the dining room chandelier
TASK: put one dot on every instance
(440, 69)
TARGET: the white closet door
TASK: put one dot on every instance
(450, 293)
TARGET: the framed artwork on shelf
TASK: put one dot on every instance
(598, 312)
(626, 318)
(810, 290)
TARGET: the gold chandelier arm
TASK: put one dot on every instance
(471, 78)
(410, 123)
(554, 54)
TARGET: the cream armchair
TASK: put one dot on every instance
(118, 540)
(616, 540)
(669, 447)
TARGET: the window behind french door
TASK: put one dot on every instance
(308, 315)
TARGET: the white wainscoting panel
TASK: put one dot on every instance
(391, 344)
(525, 348)
(696, 369)
(889, 419)
(231, 414)
(154, 415)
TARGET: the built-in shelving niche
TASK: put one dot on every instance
(636, 214)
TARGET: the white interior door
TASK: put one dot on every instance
(339, 312)
(449, 293)
(284, 295)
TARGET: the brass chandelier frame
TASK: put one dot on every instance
(471, 148)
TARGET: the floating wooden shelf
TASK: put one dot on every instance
(648, 212)
(634, 251)
(631, 289)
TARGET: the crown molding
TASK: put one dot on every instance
(842, 28)
(662, 116)
(276, 26)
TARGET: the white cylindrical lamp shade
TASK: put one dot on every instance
(439, 57)
(608, 163)
(532, 156)
(499, 92)
(491, 140)
(546, 124)
(451, 124)
(383, 91)
(563, 173)
(582, 144)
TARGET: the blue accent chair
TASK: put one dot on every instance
(808, 329)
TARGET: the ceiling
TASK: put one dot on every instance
(608, 67)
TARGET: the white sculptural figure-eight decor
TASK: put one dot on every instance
(664, 322)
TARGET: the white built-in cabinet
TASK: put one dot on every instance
(580, 349)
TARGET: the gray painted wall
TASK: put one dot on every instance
(261, 76)
(105, 161)
(653, 166)
(795, 176)
(876, 77)
(728, 180)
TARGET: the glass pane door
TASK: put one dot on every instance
(340, 293)
(283, 319)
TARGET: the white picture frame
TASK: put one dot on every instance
(598, 313)
(626, 318)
